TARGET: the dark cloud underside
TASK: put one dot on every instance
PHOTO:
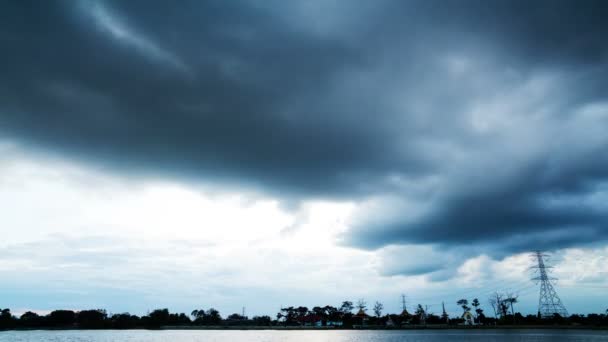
(489, 114)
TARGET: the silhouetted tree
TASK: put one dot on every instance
(378, 307)
(7, 321)
(236, 317)
(495, 300)
(420, 315)
(124, 321)
(347, 307)
(91, 319)
(31, 320)
(289, 315)
(301, 313)
(61, 318)
(261, 320)
(464, 304)
(510, 300)
(475, 303)
(178, 319)
(361, 305)
(98, 319)
(346, 314)
(434, 319)
(158, 318)
(208, 317)
(321, 313)
(213, 317)
(333, 314)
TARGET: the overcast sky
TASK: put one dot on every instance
(265, 153)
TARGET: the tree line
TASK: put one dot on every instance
(100, 319)
(347, 315)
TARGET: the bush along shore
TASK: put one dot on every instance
(328, 317)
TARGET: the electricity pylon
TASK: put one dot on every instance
(549, 303)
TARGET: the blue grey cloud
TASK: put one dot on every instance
(485, 119)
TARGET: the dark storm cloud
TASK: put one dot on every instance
(542, 199)
(248, 103)
(348, 100)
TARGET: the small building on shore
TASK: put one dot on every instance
(361, 317)
(468, 318)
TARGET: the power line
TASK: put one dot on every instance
(482, 291)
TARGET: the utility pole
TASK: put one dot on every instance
(549, 303)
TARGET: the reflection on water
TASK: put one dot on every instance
(302, 336)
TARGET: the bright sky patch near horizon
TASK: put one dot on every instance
(266, 153)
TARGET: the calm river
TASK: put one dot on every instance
(303, 336)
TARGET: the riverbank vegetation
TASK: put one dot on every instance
(344, 317)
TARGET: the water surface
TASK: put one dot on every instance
(303, 336)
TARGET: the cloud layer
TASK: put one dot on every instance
(449, 123)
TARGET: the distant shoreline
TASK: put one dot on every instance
(413, 327)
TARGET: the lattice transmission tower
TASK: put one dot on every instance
(549, 303)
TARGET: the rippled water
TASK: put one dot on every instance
(276, 336)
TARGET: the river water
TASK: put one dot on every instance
(535, 335)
